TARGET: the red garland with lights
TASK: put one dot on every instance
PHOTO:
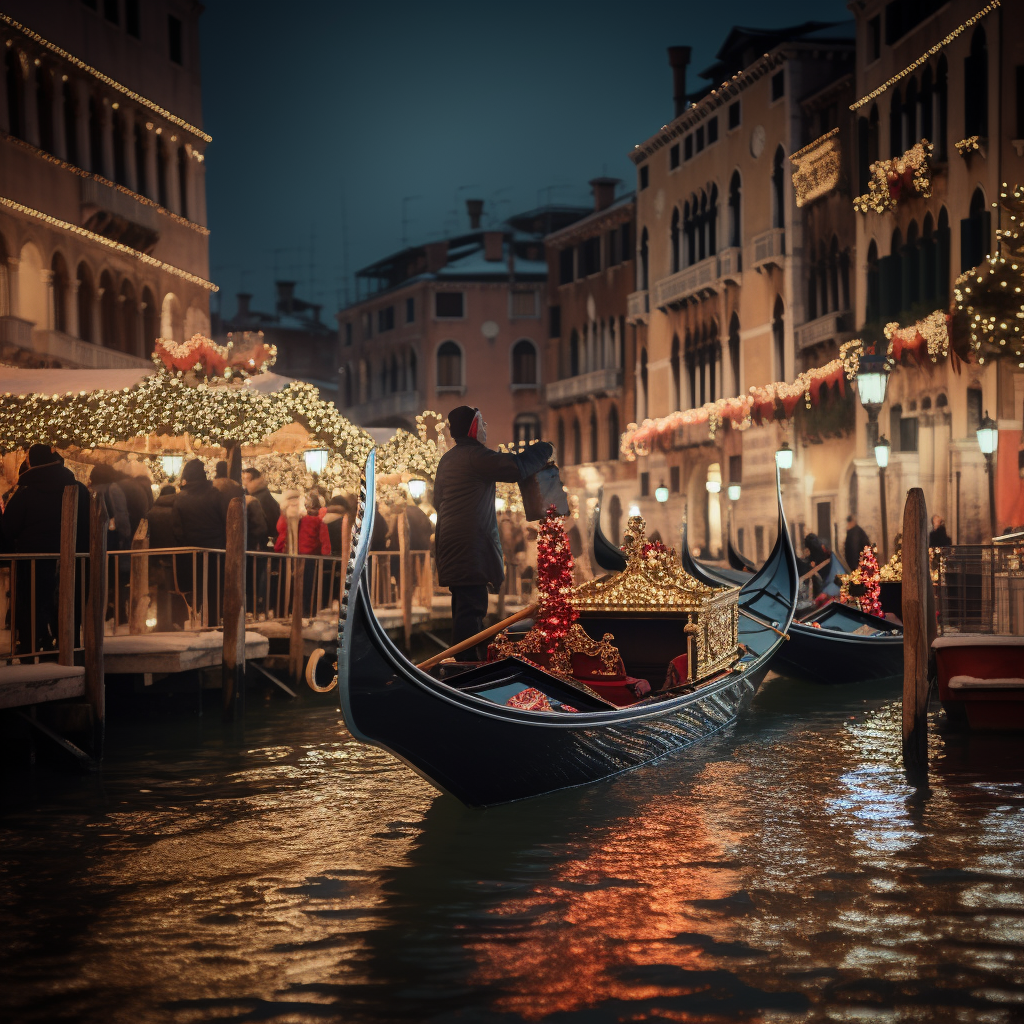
(554, 580)
(868, 567)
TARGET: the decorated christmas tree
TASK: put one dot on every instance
(554, 580)
(868, 567)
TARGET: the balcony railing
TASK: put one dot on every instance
(730, 262)
(637, 307)
(403, 403)
(830, 327)
(768, 247)
(113, 214)
(84, 354)
(597, 382)
(15, 331)
(689, 281)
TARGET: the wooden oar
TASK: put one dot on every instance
(764, 622)
(810, 572)
(484, 634)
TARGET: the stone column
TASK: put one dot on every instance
(50, 323)
(72, 310)
(12, 276)
(173, 192)
(199, 192)
(147, 173)
(82, 124)
(107, 134)
(131, 170)
(97, 319)
(31, 107)
(60, 149)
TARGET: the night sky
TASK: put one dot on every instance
(326, 115)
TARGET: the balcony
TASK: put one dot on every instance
(637, 307)
(676, 289)
(730, 264)
(597, 382)
(75, 352)
(768, 248)
(119, 217)
(15, 331)
(830, 327)
(402, 405)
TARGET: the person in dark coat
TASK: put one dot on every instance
(939, 536)
(224, 483)
(856, 542)
(466, 541)
(138, 496)
(165, 532)
(256, 485)
(31, 525)
(165, 521)
(105, 481)
(202, 510)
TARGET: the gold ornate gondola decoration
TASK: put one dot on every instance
(892, 571)
(654, 583)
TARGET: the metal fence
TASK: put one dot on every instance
(980, 589)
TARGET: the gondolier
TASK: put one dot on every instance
(466, 542)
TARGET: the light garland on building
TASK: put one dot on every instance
(966, 147)
(74, 229)
(816, 168)
(105, 79)
(90, 176)
(927, 55)
(898, 179)
(931, 332)
(201, 357)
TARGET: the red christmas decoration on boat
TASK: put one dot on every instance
(868, 567)
(554, 580)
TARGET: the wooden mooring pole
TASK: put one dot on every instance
(66, 588)
(233, 660)
(95, 614)
(138, 580)
(918, 631)
(295, 642)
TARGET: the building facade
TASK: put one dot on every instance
(725, 260)
(103, 238)
(459, 321)
(589, 394)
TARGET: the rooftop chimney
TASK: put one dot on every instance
(437, 256)
(493, 245)
(475, 209)
(604, 192)
(679, 57)
(285, 296)
(244, 298)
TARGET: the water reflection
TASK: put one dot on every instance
(783, 870)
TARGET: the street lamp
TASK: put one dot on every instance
(734, 492)
(882, 449)
(988, 441)
(661, 492)
(417, 488)
(634, 510)
(784, 456)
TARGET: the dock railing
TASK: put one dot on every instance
(980, 588)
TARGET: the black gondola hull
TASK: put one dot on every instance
(828, 656)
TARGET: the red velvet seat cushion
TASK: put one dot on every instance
(588, 667)
(677, 670)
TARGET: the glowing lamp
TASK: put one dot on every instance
(872, 381)
(661, 493)
(734, 492)
(713, 487)
(499, 504)
(316, 459)
(882, 449)
(634, 509)
(171, 465)
(417, 488)
(784, 456)
(988, 435)
(433, 518)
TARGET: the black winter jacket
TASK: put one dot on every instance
(165, 523)
(466, 535)
(271, 514)
(856, 542)
(203, 511)
(31, 521)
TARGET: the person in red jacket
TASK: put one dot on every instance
(301, 531)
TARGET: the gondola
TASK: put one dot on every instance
(738, 561)
(835, 644)
(462, 737)
(606, 555)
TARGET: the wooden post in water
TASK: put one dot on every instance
(95, 614)
(66, 585)
(405, 578)
(233, 658)
(138, 581)
(917, 632)
(295, 651)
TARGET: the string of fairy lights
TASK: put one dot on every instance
(895, 180)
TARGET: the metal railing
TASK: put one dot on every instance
(980, 589)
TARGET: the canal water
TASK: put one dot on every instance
(783, 870)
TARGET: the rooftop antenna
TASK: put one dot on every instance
(405, 218)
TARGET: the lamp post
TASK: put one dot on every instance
(661, 493)
(784, 456)
(872, 383)
(882, 449)
(988, 441)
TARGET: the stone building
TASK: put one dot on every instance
(951, 74)
(457, 321)
(725, 261)
(103, 243)
(591, 272)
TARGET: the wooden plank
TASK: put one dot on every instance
(49, 682)
(916, 631)
(174, 652)
(405, 579)
(233, 664)
(66, 584)
(95, 612)
(295, 651)
(138, 580)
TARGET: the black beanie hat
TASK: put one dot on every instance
(460, 420)
(194, 471)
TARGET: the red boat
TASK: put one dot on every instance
(981, 680)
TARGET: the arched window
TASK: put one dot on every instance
(172, 323)
(674, 240)
(714, 360)
(712, 222)
(138, 133)
(161, 172)
(976, 86)
(891, 277)
(120, 149)
(348, 385)
(44, 107)
(449, 365)
(562, 455)
(975, 233)
(735, 229)
(412, 371)
(95, 135)
(690, 350)
(941, 107)
(823, 277)
(526, 428)
(71, 123)
(942, 250)
(86, 304)
(702, 234)
(734, 352)
(33, 301)
(812, 292)
(643, 261)
(778, 189)
(910, 133)
(844, 278)
(896, 124)
(150, 326)
(929, 286)
(574, 354)
(641, 396)
(60, 292)
(383, 378)
(676, 398)
(577, 443)
(779, 337)
(925, 101)
(15, 93)
(689, 231)
(393, 381)
(912, 268)
(128, 336)
(183, 189)
(109, 327)
(594, 455)
(873, 312)
(613, 432)
(833, 274)
(524, 363)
